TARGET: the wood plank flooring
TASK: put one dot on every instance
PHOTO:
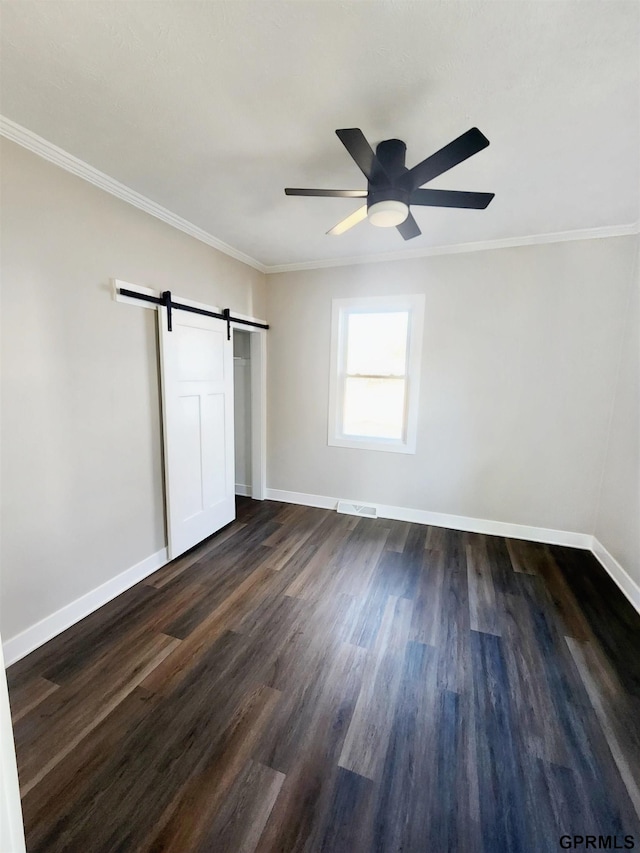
(306, 681)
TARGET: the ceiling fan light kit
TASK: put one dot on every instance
(387, 214)
(392, 188)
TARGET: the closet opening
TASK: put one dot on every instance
(250, 410)
(242, 411)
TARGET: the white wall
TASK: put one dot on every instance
(618, 521)
(82, 493)
(520, 348)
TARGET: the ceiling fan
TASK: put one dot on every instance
(392, 188)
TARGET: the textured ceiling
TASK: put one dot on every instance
(212, 108)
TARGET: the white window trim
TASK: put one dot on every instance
(414, 304)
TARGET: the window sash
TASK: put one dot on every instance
(380, 411)
(409, 380)
(376, 375)
(362, 331)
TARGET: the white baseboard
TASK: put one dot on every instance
(20, 645)
(301, 498)
(626, 583)
(440, 519)
(546, 535)
(245, 491)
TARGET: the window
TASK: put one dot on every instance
(376, 346)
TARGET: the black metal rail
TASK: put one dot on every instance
(170, 305)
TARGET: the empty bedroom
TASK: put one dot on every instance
(320, 426)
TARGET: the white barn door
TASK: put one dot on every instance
(197, 404)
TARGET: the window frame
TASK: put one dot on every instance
(414, 304)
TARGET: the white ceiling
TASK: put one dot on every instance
(212, 108)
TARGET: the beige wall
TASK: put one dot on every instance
(618, 521)
(81, 471)
(518, 399)
(520, 350)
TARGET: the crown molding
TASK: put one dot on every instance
(43, 148)
(461, 248)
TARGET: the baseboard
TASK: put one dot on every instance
(20, 645)
(623, 580)
(440, 519)
(301, 498)
(586, 541)
(245, 491)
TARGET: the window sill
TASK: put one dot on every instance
(388, 446)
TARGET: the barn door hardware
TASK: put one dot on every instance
(170, 305)
(166, 298)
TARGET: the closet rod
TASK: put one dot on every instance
(170, 305)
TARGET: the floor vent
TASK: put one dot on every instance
(349, 508)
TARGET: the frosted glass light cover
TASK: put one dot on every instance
(386, 214)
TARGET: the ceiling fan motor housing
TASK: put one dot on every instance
(391, 154)
(383, 185)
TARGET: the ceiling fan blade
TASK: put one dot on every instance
(327, 193)
(450, 198)
(350, 221)
(446, 158)
(354, 141)
(409, 228)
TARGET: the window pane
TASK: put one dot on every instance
(377, 343)
(374, 407)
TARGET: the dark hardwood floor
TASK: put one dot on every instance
(308, 681)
